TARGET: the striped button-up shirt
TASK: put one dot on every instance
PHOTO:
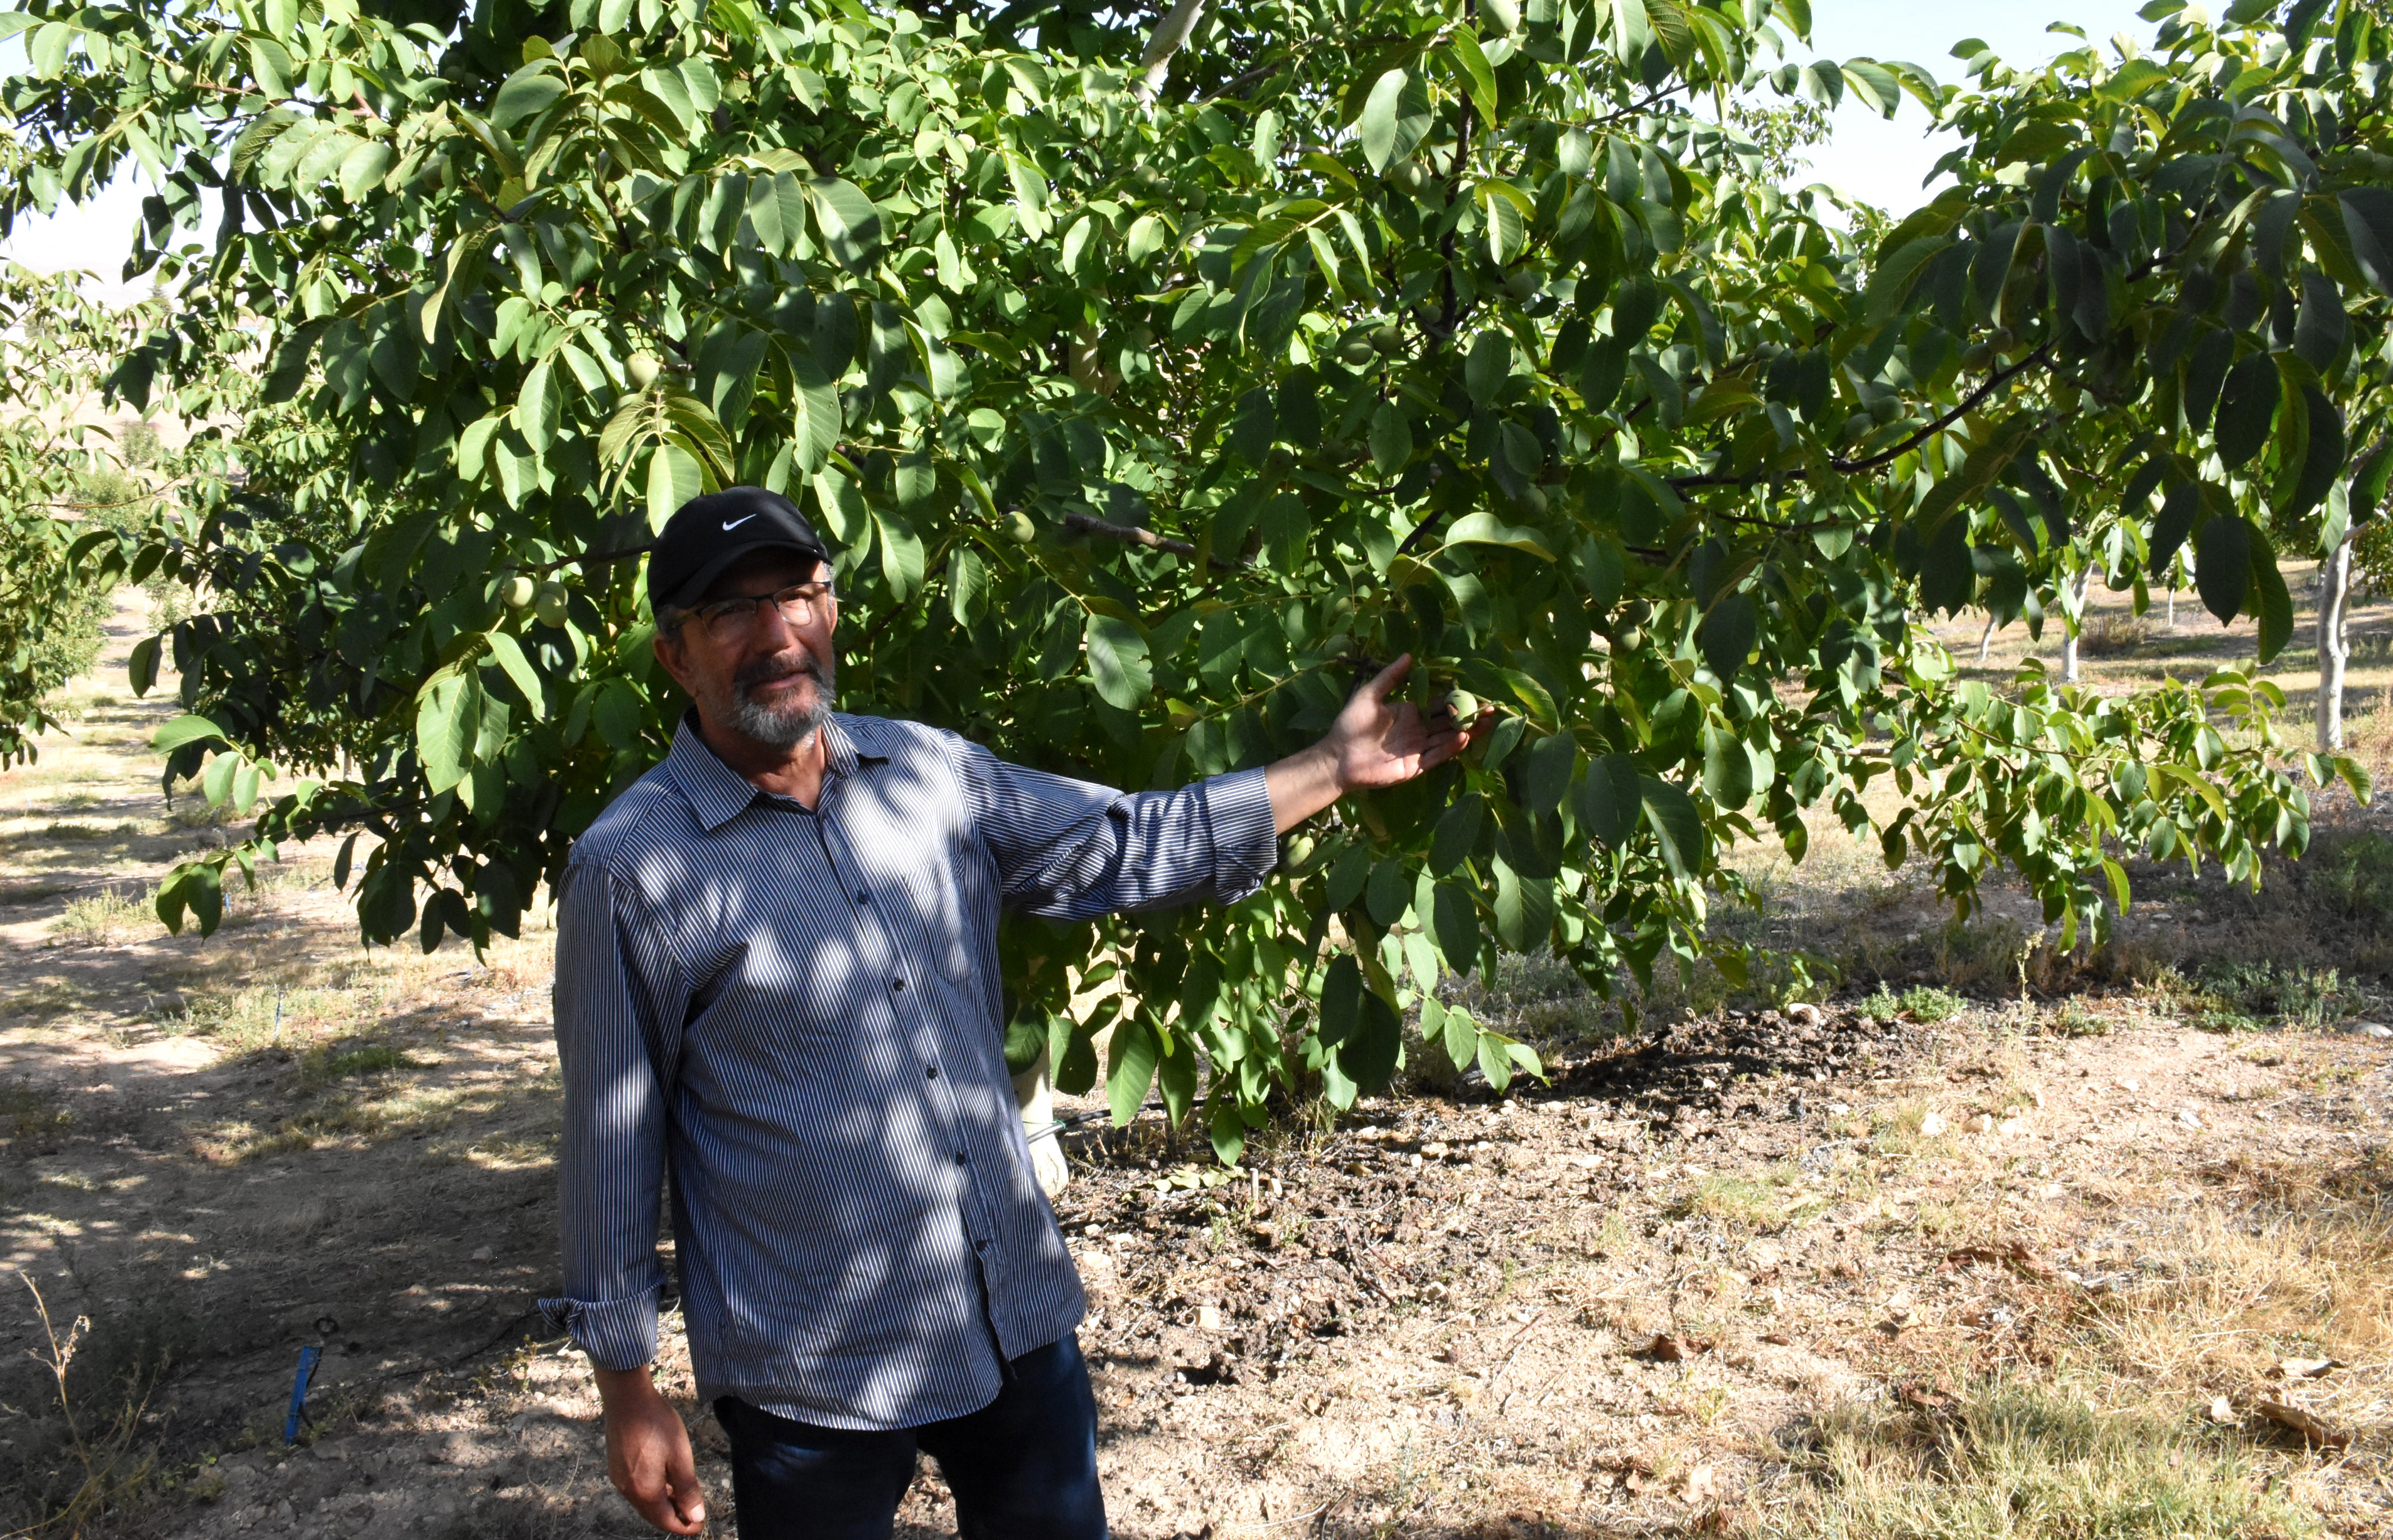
(796, 1015)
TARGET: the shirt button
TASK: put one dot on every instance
(980, 1245)
(929, 1072)
(959, 1157)
(862, 896)
(898, 984)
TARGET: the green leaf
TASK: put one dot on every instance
(901, 555)
(1676, 826)
(185, 729)
(363, 168)
(448, 718)
(2324, 453)
(267, 59)
(2222, 564)
(1129, 1068)
(1728, 633)
(1546, 772)
(1117, 663)
(2247, 409)
(1488, 367)
(2271, 603)
(1391, 440)
(1380, 111)
(850, 224)
(1728, 770)
(1508, 229)
(1494, 1063)
(1478, 75)
(2319, 330)
(1485, 528)
(674, 477)
(525, 93)
(1454, 919)
(1606, 801)
(508, 654)
(1524, 909)
(1457, 832)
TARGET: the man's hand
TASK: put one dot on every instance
(647, 1452)
(1374, 742)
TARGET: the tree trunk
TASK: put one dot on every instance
(1986, 642)
(1035, 1094)
(2074, 624)
(1169, 33)
(2334, 647)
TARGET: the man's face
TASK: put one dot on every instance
(761, 678)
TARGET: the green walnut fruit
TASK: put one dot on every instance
(1019, 530)
(1636, 612)
(1976, 355)
(1356, 352)
(1464, 705)
(548, 603)
(1300, 851)
(520, 592)
(1387, 338)
(1407, 176)
(1531, 503)
(1281, 460)
(642, 369)
(1525, 284)
(328, 225)
(1627, 639)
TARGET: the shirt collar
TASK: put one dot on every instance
(718, 793)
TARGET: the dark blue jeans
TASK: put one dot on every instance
(1022, 1467)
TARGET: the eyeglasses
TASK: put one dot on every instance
(727, 620)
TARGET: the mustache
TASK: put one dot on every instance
(766, 671)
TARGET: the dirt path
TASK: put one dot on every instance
(1696, 1285)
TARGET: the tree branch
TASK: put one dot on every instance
(1169, 33)
(1086, 524)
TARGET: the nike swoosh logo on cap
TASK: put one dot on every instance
(738, 522)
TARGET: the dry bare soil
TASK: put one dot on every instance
(1992, 1241)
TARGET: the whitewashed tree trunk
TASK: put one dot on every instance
(2334, 647)
(1986, 642)
(1034, 1093)
(2072, 627)
(1169, 33)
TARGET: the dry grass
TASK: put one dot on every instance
(2296, 1265)
(2012, 1457)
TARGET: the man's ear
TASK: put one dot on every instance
(667, 647)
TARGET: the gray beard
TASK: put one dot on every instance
(785, 726)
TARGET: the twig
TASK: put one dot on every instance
(1088, 524)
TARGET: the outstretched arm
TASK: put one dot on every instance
(1373, 742)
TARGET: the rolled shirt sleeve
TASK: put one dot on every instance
(1073, 850)
(618, 1011)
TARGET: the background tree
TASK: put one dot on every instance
(57, 348)
(1145, 426)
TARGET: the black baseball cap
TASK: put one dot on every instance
(712, 532)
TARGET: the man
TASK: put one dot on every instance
(776, 983)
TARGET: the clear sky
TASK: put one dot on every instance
(1883, 163)
(1879, 162)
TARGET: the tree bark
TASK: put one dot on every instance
(1986, 642)
(2334, 647)
(1169, 33)
(1034, 1093)
(2074, 624)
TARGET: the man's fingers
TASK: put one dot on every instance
(1384, 684)
(689, 1503)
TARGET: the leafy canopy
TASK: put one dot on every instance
(1145, 426)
